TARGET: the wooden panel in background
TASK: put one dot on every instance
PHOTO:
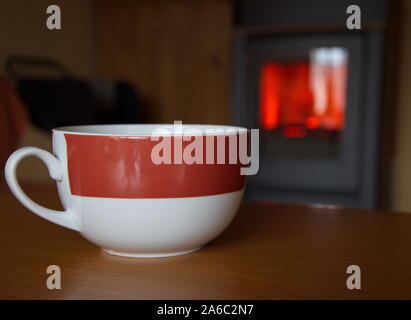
(177, 53)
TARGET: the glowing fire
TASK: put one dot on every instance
(305, 95)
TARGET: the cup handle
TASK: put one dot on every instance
(63, 218)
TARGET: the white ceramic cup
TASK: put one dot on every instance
(116, 197)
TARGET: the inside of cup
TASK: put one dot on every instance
(151, 129)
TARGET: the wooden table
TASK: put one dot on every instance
(271, 251)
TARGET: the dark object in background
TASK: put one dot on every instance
(13, 122)
(55, 103)
(67, 100)
(116, 101)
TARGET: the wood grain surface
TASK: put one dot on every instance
(270, 251)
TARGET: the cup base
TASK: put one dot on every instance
(150, 255)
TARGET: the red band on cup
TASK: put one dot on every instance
(122, 167)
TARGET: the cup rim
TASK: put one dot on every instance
(149, 130)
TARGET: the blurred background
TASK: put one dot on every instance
(333, 104)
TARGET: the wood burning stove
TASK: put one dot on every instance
(313, 87)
